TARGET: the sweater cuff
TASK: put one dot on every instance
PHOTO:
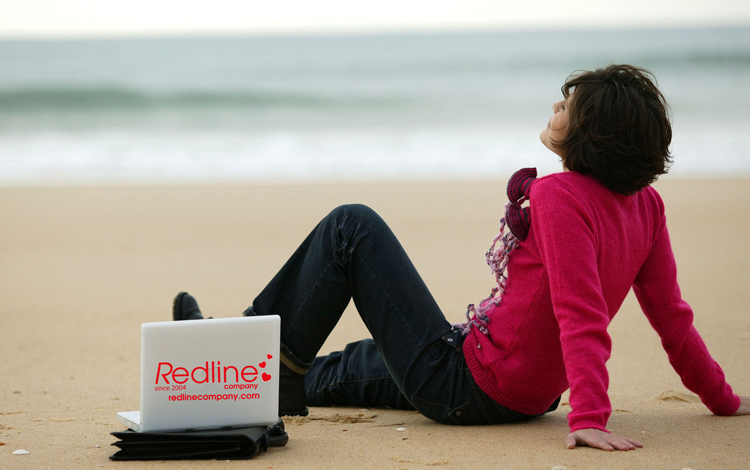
(587, 425)
(729, 408)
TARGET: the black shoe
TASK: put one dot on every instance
(292, 395)
(185, 307)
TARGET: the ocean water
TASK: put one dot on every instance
(326, 108)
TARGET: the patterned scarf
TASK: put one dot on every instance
(518, 220)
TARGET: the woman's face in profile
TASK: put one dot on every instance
(557, 127)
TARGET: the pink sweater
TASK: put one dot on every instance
(566, 281)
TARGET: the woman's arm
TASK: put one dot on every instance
(567, 246)
(661, 301)
(566, 240)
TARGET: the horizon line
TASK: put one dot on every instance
(368, 32)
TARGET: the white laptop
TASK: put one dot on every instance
(199, 374)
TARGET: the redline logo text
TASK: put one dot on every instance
(203, 375)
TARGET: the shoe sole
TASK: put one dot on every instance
(294, 413)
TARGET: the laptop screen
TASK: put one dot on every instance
(209, 373)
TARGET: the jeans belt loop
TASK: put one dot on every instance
(452, 338)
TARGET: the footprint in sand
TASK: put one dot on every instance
(429, 463)
(677, 397)
(334, 418)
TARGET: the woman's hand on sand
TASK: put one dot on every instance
(744, 408)
(601, 440)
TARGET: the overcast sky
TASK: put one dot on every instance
(75, 18)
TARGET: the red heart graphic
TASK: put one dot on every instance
(269, 356)
(265, 377)
(262, 365)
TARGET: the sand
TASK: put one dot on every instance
(82, 268)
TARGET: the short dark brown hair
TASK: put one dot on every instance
(618, 127)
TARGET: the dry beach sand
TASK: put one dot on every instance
(82, 268)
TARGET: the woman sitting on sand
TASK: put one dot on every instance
(588, 235)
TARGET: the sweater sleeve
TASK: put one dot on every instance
(567, 242)
(661, 301)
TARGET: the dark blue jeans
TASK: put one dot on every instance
(414, 359)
